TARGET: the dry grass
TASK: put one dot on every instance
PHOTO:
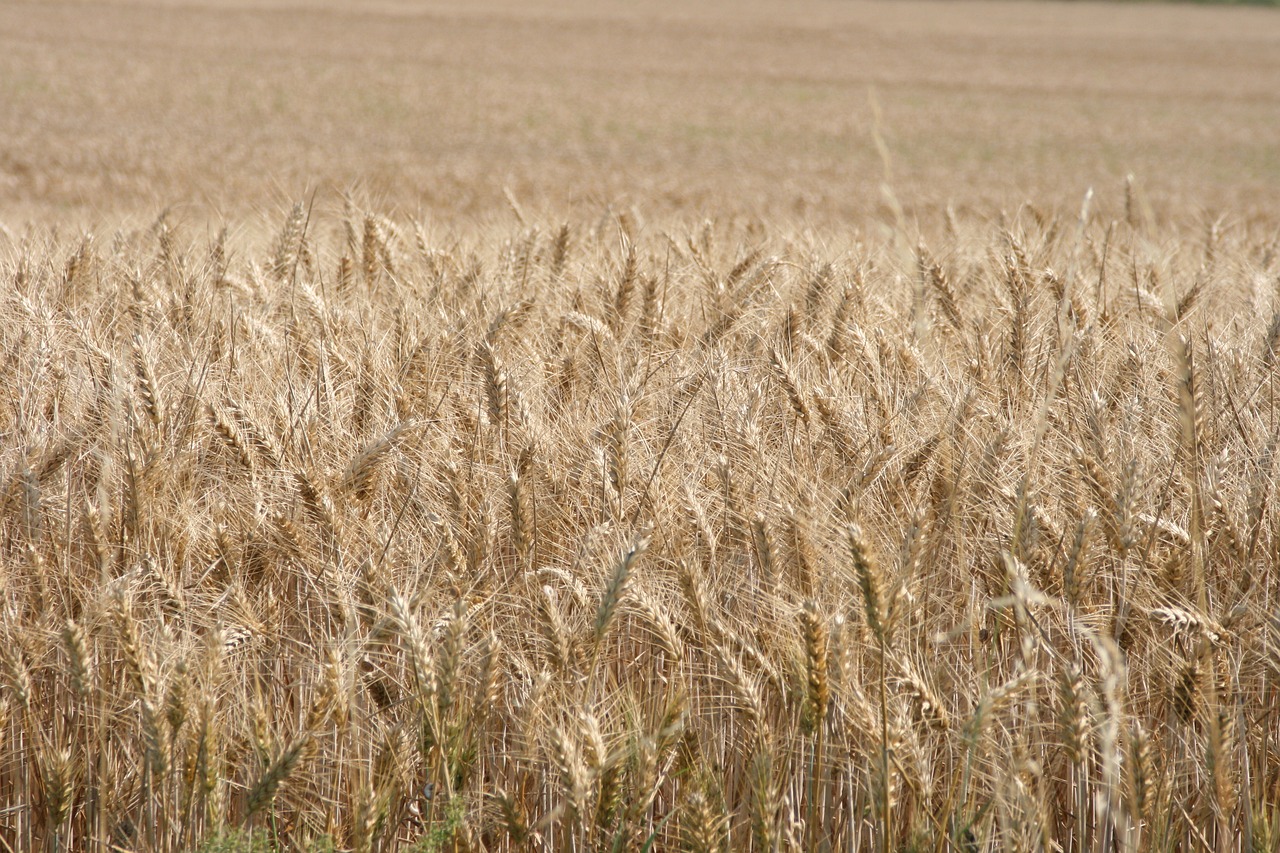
(662, 443)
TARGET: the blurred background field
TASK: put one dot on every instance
(118, 110)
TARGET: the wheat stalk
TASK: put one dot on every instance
(263, 791)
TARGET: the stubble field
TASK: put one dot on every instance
(613, 427)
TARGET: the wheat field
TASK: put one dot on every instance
(882, 461)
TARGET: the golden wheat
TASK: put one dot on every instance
(734, 539)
